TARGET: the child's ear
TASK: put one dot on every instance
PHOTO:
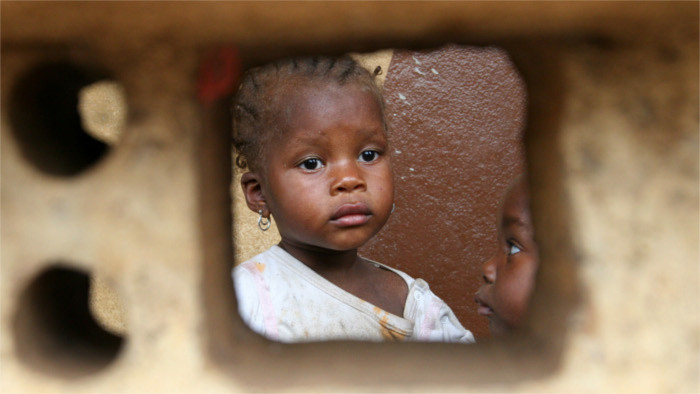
(254, 197)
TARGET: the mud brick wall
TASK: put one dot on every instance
(611, 143)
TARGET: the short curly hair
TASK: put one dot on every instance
(253, 114)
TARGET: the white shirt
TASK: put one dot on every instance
(284, 300)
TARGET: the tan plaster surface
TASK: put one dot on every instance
(102, 108)
(631, 147)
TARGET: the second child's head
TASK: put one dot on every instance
(509, 276)
(312, 136)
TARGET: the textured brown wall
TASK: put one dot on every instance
(456, 118)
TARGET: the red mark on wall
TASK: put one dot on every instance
(219, 74)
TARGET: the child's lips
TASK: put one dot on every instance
(355, 214)
(483, 308)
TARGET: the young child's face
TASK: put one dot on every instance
(509, 275)
(328, 180)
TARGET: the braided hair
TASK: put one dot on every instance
(253, 109)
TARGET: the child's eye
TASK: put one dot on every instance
(369, 155)
(513, 249)
(311, 164)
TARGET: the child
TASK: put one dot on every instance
(510, 275)
(312, 134)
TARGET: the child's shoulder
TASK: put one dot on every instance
(406, 277)
(258, 264)
(417, 288)
(255, 278)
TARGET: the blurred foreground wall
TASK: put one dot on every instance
(611, 141)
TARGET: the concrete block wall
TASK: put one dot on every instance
(612, 147)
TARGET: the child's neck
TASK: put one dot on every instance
(324, 262)
(345, 269)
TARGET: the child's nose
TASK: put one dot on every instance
(489, 270)
(347, 179)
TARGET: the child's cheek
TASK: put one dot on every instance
(517, 290)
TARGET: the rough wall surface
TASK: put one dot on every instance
(456, 120)
(631, 142)
(611, 141)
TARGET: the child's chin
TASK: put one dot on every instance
(347, 245)
(498, 327)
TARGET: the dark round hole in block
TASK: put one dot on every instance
(45, 121)
(54, 330)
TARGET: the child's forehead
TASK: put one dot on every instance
(317, 102)
(303, 88)
(515, 209)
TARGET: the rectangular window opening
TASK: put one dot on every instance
(456, 157)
